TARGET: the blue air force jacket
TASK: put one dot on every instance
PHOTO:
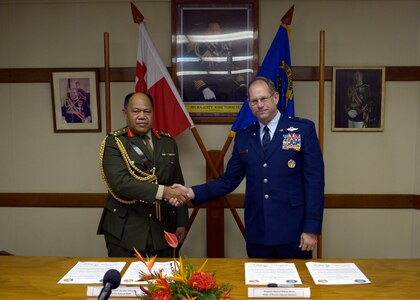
(284, 187)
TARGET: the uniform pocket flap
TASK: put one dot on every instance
(117, 208)
(297, 202)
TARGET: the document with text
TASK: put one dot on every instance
(271, 273)
(336, 273)
(89, 272)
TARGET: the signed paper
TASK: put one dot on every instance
(274, 273)
(89, 272)
(336, 273)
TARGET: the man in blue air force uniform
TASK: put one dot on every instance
(284, 198)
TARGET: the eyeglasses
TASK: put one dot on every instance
(263, 100)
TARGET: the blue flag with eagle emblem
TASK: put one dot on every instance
(277, 67)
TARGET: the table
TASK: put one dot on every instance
(30, 277)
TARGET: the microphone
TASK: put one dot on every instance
(112, 279)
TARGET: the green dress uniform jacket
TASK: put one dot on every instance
(128, 225)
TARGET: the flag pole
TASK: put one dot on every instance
(216, 174)
(138, 18)
(107, 83)
(321, 112)
(286, 20)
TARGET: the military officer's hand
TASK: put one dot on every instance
(181, 234)
(189, 191)
(175, 195)
(308, 241)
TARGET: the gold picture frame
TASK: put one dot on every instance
(358, 98)
(76, 105)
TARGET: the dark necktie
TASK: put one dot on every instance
(148, 144)
(266, 138)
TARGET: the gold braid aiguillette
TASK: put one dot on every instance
(132, 169)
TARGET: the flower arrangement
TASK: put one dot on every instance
(185, 283)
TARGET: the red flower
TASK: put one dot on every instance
(161, 295)
(202, 281)
(171, 239)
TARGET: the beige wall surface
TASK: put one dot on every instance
(54, 34)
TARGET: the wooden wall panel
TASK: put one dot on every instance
(300, 73)
(393, 201)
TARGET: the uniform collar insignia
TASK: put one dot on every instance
(130, 133)
(156, 133)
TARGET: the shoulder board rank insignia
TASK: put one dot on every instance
(291, 129)
(117, 132)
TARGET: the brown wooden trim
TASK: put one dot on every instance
(52, 199)
(371, 201)
(127, 74)
(393, 201)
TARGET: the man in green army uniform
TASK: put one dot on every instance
(139, 166)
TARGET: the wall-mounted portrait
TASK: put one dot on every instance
(214, 55)
(358, 98)
(76, 101)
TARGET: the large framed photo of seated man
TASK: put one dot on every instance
(214, 55)
(358, 98)
(76, 106)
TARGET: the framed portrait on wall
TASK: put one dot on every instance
(358, 98)
(214, 55)
(76, 106)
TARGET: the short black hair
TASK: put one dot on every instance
(128, 97)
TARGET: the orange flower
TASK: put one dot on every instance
(171, 239)
(149, 263)
(202, 281)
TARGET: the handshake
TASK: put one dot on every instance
(177, 194)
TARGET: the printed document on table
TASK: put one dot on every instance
(89, 272)
(133, 273)
(265, 273)
(336, 273)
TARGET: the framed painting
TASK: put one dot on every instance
(358, 98)
(76, 106)
(214, 55)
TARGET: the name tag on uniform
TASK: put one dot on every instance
(168, 154)
(245, 151)
(291, 141)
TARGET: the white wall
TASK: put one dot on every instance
(52, 33)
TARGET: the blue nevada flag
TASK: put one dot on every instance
(277, 67)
